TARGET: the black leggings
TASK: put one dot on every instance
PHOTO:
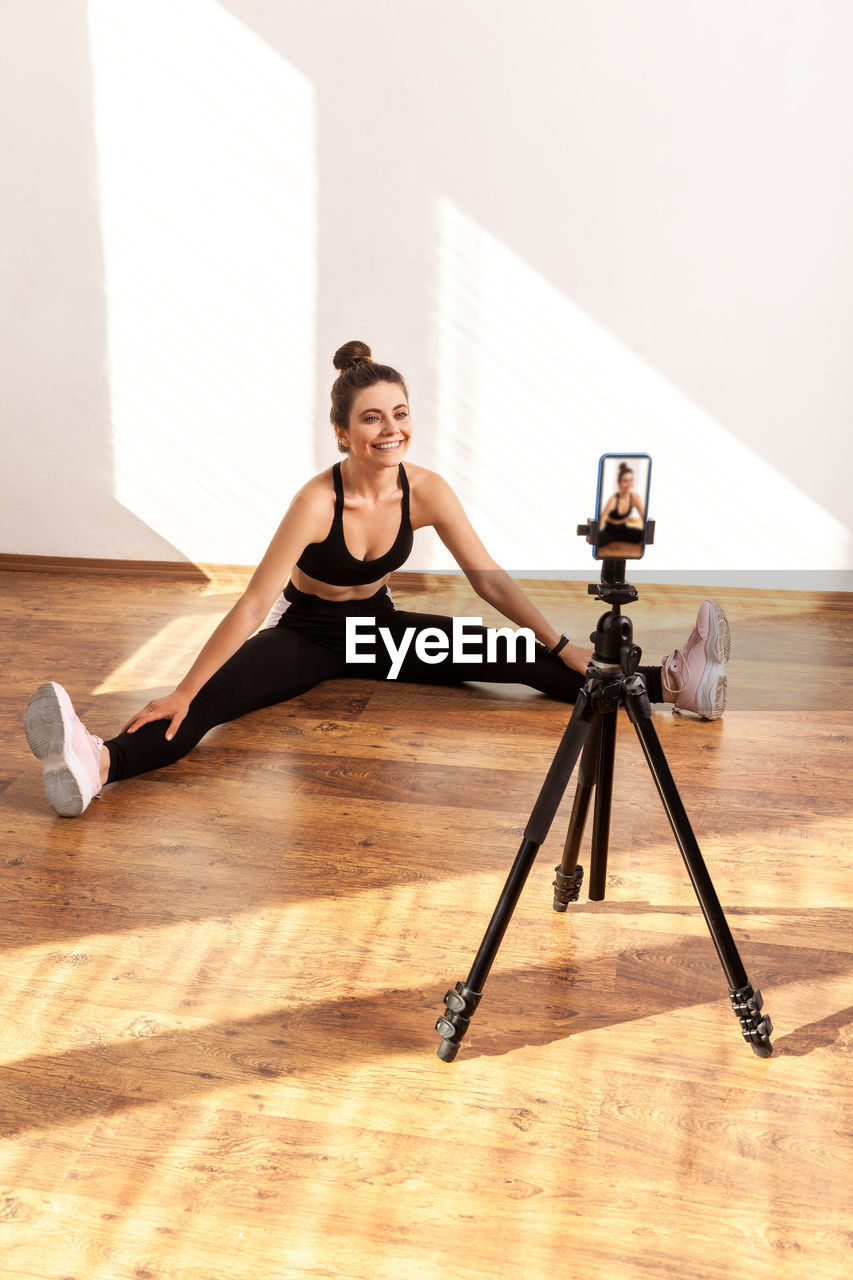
(308, 645)
(614, 532)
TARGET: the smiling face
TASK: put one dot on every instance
(626, 482)
(379, 426)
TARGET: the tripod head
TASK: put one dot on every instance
(614, 636)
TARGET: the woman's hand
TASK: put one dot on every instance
(173, 707)
(576, 657)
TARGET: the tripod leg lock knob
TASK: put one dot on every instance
(567, 887)
(755, 1026)
(629, 658)
(454, 1022)
(637, 702)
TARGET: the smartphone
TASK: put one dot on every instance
(622, 506)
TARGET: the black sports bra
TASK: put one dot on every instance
(330, 560)
(616, 517)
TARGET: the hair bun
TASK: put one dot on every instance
(349, 354)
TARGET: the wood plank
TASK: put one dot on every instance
(219, 987)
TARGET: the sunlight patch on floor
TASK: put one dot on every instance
(162, 661)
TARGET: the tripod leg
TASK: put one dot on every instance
(567, 885)
(746, 1002)
(601, 812)
(461, 1002)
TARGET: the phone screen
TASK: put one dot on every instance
(622, 505)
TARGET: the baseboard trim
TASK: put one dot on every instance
(838, 581)
(179, 570)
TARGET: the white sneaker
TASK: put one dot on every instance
(70, 754)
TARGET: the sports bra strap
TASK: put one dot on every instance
(404, 481)
(339, 491)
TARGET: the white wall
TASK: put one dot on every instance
(575, 227)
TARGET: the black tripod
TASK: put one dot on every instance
(612, 681)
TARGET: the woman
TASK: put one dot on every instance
(342, 536)
(615, 520)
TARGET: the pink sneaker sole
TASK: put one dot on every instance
(718, 642)
(49, 725)
(711, 705)
(713, 687)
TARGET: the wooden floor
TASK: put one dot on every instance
(219, 986)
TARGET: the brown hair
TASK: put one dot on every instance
(357, 370)
(624, 470)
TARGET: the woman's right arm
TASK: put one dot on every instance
(303, 523)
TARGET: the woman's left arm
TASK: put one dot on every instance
(443, 510)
